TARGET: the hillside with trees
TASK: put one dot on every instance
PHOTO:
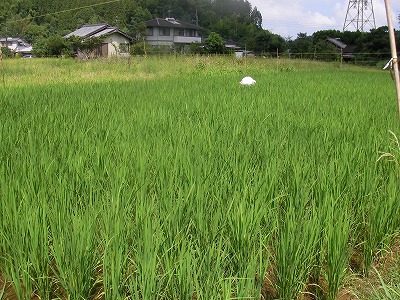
(37, 19)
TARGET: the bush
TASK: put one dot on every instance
(55, 46)
(214, 43)
(139, 48)
(7, 52)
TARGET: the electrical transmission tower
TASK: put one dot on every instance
(360, 14)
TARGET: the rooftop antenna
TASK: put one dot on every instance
(360, 15)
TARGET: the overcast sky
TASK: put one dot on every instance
(289, 17)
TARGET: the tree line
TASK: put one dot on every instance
(370, 48)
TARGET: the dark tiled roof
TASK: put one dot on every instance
(170, 22)
(231, 44)
(87, 30)
(350, 49)
(96, 31)
(337, 42)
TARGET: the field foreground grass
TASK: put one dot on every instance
(163, 178)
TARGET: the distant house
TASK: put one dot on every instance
(116, 42)
(232, 45)
(17, 45)
(345, 50)
(172, 33)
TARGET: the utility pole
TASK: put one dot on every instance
(360, 15)
(395, 65)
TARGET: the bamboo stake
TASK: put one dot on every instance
(394, 52)
(2, 70)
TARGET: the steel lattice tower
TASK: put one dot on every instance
(360, 14)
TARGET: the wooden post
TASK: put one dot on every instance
(277, 59)
(394, 52)
(1, 65)
(245, 56)
(144, 48)
(341, 56)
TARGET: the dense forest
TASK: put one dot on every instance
(42, 20)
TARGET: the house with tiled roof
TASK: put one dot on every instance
(115, 42)
(16, 45)
(345, 50)
(171, 32)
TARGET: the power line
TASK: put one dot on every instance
(61, 11)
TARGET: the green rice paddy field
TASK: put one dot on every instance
(163, 178)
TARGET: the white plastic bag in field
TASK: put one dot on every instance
(248, 81)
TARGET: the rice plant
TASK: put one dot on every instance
(338, 245)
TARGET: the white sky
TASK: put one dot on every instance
(290, 17)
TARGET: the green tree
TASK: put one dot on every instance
(85, 46)
(263, 41)
(140, 48)
(16, 25)
(377, 41)
(54, 46)
(302, 44)
(6, 52)
(256, 17)
(326, 51)
(57, 46)
(34, 32)
(195, 48)
(214, 43)
(139, 31)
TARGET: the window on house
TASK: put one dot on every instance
(191, 32)
(164, 32)
(124, 48)
(179, 32)
(150, 31)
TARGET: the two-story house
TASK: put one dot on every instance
(171, 32)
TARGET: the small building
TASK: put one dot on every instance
(346, 51)
(17, 45)
(232, 46)
(244, 53)
(115, 43)
(173, 33)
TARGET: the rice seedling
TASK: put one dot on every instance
(146, 280)
(295, 252)
(115, 253)
(337, 230)
(75, 252)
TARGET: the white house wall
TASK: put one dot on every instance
(160, 40)
(114, 41)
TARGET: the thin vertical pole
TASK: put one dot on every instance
(394, 53)
(2, 67)
(277, 59)
(245, 56)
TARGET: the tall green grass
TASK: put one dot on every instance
(140, 183)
